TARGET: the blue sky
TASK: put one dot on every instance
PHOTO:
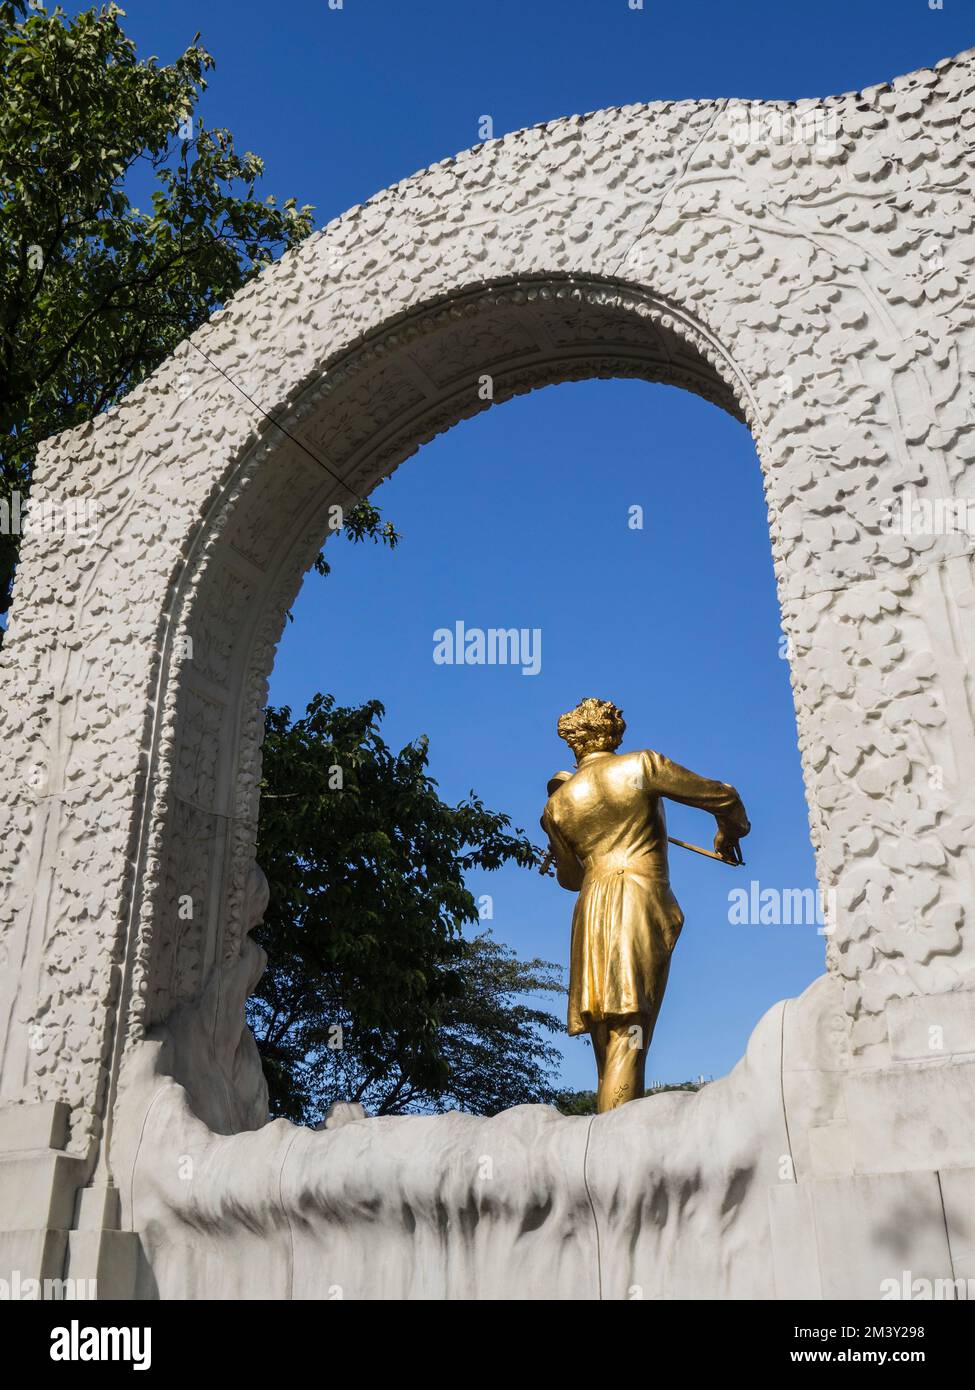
(519, 518)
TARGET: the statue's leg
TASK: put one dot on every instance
(599, 1036)
(622, 1075)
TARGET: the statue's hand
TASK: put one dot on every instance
(727, 847)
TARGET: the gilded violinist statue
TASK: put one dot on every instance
(608, 837)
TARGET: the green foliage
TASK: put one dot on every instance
(576, 1102)
(584, 1102)
(364, 521)
(364, 932)
(94, 292)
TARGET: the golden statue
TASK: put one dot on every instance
(608, 838)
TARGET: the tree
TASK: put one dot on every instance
(584, 1102)
(373, 992)
(94, 292)
(576, 1102)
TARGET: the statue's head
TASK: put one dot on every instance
(594, 726)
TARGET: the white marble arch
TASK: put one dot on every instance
(805, 267)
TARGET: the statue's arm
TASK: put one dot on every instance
(666, 778)
(568, 871)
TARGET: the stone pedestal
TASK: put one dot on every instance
(57, 1239)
